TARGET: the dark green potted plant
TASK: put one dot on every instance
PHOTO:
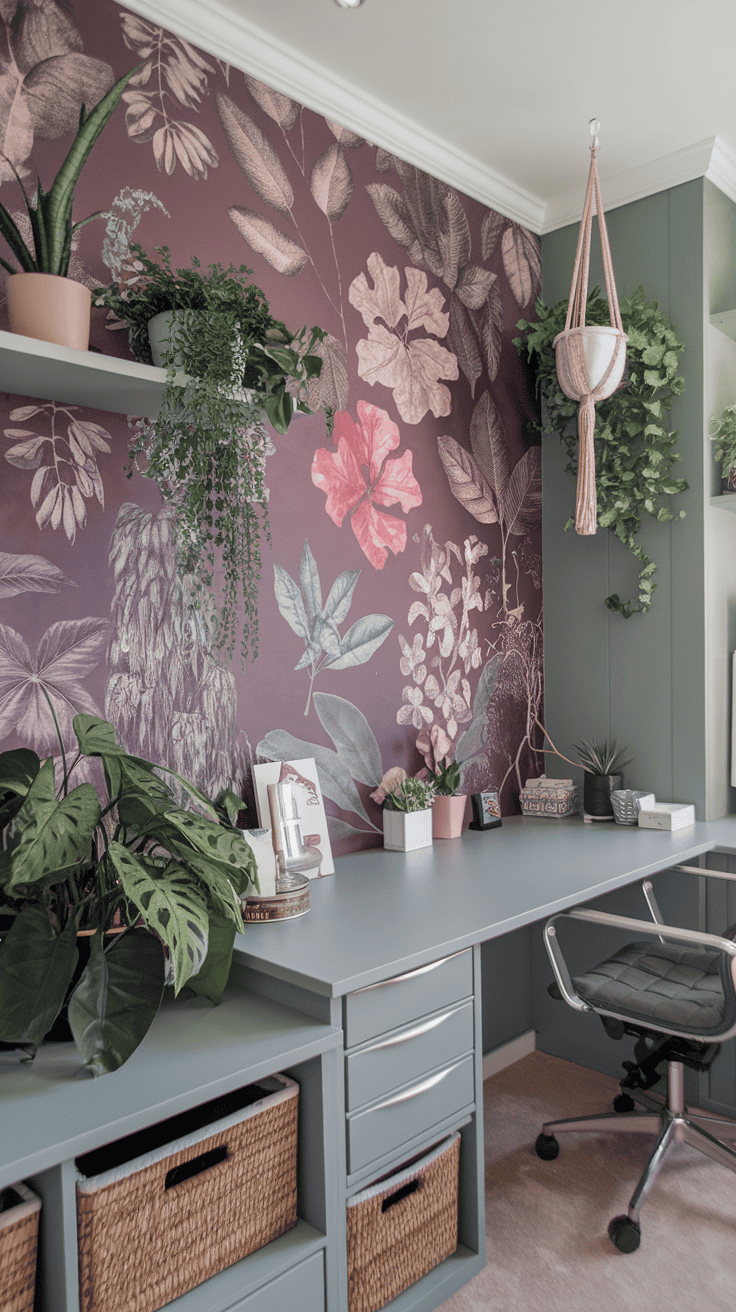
(603, 763)
(724, 436)
(43, 301)
(228, 362)
(149, 888)
(448, 811)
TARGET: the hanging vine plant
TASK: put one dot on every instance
(634, 449)
(207, 447)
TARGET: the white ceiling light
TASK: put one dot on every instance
(349, 4)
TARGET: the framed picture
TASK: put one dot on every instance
(313, 821)
(486, 811)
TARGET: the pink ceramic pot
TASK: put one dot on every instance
(448, 814)
(49, 308)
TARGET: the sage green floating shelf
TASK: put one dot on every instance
(726, 501)
(32, 368)
(725, 322)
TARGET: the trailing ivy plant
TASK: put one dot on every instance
(634, 449)
(207, 447)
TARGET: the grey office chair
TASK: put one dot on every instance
(678, 997)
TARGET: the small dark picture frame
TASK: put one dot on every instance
(486, 811)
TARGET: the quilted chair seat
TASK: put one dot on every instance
(667, 984)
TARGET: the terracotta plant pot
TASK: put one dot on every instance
(49, 308)
(597, 789)
(448, 814)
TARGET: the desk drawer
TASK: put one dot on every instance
(387, 1125)
(397, 1001)
(406, 1054)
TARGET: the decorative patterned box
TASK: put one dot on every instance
(551, 797)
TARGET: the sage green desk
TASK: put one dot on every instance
(372, 1001)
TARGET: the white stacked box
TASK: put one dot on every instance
(667, 815)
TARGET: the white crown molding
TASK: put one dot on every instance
(227, 35)
(711, 159)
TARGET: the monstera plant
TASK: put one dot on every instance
(148, 887)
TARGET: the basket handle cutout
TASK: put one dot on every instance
(186, 1170)
(402, 1192)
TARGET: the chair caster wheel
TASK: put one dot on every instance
(625, 1234)
(623, 1103)
(546, 1147)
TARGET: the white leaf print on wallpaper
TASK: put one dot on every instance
(26, 573)
(66, 655)
(66, 470)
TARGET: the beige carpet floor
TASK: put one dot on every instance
(548, 1249)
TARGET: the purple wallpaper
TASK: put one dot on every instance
(400, 605)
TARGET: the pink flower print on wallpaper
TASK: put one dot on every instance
(410, 366)
(173, 73)
(359, 475)
(65, 465)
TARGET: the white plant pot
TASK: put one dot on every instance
(159, 330)
(600, 344)
(404, 831)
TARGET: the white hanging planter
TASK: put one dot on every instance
(404, 831)
(604, 356)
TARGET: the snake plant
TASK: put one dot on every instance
(51, 214)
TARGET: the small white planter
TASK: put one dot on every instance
(404, 831)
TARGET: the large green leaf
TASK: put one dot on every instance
(53, 836)
(36, 967)
(97, 738)
(171, 904)
(224, 886)
(116, 999)
(18, 769)
(213, 974)
(226, 847)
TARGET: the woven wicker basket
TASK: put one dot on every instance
(401, 1227)
(18, 1243)
(211, 1186)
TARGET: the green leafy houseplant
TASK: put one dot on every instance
(153, 886)
(411, 795)
(446, 778)
(207, 447)
(634, 448)
(724, 436)
(604, 757)
(50, 214)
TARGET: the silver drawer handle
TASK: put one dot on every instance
(415, 1033)
(418, 1088)
(410, 974)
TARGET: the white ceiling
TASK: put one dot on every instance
(496, 97)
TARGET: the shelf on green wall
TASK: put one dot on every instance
(725, 322)
(725, 501)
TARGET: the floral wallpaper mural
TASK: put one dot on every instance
(400, 611)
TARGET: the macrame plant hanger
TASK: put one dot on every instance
(589, 360)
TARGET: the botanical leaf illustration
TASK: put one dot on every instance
(491, 229)
(335, 779)
(255, 156)
(267, 240)
(473, 741)
(26, 573)
(383, 299)
(331, 387)
(68, 652)
(352, 735)
(171, 904)
(362, 451)
(301, 607)
(282, 109)
(473, 286)
(344, 136)
(523, 504)
(56, 501)
(467, 483)
(361, 641)
(522, 262)
(463, 341)
(393, 213)
(453, 237)
(55, 835)
(424, 306)
(489, 446)
(492, 325)
(331, 182)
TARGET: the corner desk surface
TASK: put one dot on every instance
(383, 913)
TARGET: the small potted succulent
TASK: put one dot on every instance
(724, 436)
(448, 811)
(103, 902)
(43, 302)
(228, 363)
(603, 763)
(407, 810)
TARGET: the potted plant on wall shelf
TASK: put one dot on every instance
(149, 889)
(407, 810)
(724, 436)
(228, 362)
(448, 810)
(43, 302)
